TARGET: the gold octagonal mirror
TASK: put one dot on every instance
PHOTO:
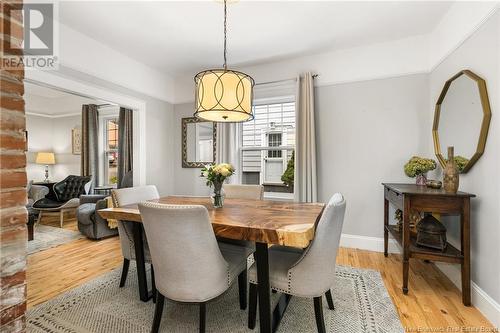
(461, 119)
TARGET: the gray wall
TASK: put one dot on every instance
(52, 135)
(481, 54)
(365, 133)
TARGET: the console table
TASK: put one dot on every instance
(408, 197)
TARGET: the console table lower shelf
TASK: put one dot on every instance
(451, 253)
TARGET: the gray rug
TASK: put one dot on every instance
(47, 237)
(361, 305)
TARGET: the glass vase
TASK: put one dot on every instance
(217, 197)
(421, 179)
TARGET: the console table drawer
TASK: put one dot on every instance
(394, 197)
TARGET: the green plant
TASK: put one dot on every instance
(287, 176)
(418, 166)
(460, 162)
(113, 180)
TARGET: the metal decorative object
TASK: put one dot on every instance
(223, 95)
(451, 178)
(431, 233)
(435, 184)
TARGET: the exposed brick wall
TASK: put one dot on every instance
(13, 237)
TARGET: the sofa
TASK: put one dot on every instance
(89, 222)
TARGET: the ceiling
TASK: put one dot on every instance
(51, 102)
(182, 37)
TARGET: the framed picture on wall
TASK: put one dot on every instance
(76, 141)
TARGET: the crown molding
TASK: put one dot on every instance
(52, 116)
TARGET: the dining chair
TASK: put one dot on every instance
(233, 191)
(128, 196)
(255, 192)
(190, 266)
(305, 273)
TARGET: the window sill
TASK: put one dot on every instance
(278, 196)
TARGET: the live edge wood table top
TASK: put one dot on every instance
(271, 222)
(411, 197)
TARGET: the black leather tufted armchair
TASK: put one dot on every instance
(67, 193)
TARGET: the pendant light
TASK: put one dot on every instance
(223, 95)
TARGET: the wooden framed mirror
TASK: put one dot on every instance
(199, 139)
(462, 119)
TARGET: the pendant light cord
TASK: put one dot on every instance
(225, 34)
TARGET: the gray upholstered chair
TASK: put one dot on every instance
(90, 223)
(35, 192)
(128, 196)
(252, 192)
(189, 264)
(255, 192)
(309, 272)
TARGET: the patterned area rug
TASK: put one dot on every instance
(362, 304)
(47, 237)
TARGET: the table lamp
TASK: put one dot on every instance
(46, 158)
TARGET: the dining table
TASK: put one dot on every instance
(264, 222)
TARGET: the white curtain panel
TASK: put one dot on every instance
(227, 148)
(305, 184)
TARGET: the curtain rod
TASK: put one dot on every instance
(285, 80)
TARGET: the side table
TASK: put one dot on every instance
(408, 197)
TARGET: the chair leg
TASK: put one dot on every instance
(252, 310)
(242, 288)
(203, 313)
(329, 299)
(318, 312)
(126, 264)
(39, 218)
(153, 285)
(61, 217)
(158, 312)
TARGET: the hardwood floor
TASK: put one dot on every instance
(56, 270)
(433, 301)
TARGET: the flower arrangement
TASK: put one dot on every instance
(460, 162)
(418, 166)
(215, 175)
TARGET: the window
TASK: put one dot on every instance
(273, 127)
(111, 152)
(274, 140)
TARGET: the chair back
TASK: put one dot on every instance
(131, 195)
(255, 192)
(189, 266)
(128, 196)
(72, 187)
(314, 273)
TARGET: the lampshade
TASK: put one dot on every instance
(223, 95)
(45, 158)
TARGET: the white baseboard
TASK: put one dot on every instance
(368, 243)
(480, 299)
